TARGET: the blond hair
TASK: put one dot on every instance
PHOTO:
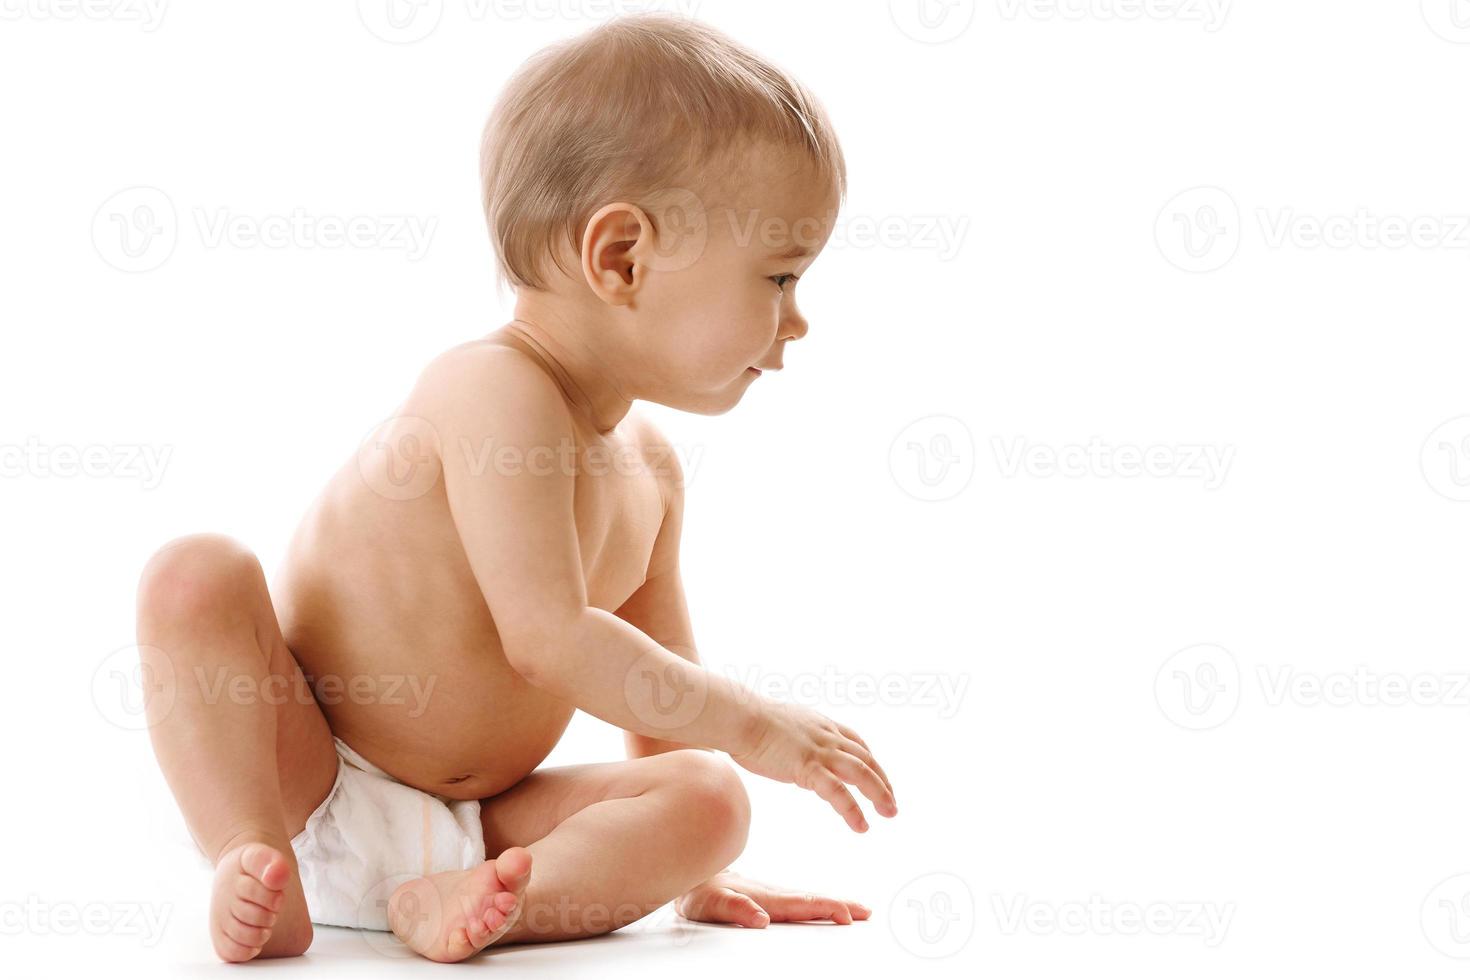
(630, 108)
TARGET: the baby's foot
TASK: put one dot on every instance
(449, 916)
(245, 913)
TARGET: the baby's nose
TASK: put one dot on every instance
(793, 325)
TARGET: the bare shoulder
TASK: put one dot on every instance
(483, 384)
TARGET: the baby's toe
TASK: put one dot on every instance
(232, 952)
(249, 936)
(459, 946)
(252, 914)
(513, 868)
(251, 890)
(266, 865)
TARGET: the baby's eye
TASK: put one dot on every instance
(782, 280)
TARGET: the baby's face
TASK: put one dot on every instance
(724, 309)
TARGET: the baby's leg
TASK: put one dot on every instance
(238, 735)
(608, 843)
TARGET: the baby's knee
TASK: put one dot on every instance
(197, 578)
(713, 798)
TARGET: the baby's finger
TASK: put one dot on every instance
(804, 908)
(853, 770)
(731, 906)
(870, 759)
(849, 733)
(866, 755)
(830, 788)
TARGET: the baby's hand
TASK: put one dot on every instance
(728, 897)
(797, 745)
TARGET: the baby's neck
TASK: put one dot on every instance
(577, 353)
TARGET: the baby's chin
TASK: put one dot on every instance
(716, 402)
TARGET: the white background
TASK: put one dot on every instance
(1047, 277)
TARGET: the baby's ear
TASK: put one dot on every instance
(610, 252)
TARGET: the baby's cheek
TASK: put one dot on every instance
(758, 333)
(750, 323)
(732, 335)
(743, 341)
(722, 329)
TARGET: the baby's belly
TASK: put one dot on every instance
(464, 734)
(394, 633)
(413, 677)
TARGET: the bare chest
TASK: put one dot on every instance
(618, 509)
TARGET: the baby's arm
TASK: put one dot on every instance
(658, 607)
(518, 530)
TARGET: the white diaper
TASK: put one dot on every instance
(371, 834)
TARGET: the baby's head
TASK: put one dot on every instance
(655, 185)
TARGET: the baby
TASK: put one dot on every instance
(360, 746)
